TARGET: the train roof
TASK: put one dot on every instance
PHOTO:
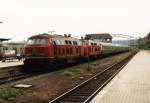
(110, 44)
(45, 35)
(41, 36)
(54, 36)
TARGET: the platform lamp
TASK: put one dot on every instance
(130, 42)
(88, 68)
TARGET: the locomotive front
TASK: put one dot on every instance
(38, 49)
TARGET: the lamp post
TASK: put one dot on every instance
(88, 54)
(88, 57)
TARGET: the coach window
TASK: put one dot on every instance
(6, 48)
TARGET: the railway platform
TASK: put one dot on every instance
(10, 63)
(131, 85)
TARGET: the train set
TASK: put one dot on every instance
(46, 48)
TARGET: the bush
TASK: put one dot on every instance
(73, 72)
(8, 92)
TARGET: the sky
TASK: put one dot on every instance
(23, 18)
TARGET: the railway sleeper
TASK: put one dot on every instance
(77, 96)
(82, 94)
(66, 102)
(75, 99)
(87, 90)
(90, 87)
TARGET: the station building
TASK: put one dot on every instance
(101, 37)
(17, 46)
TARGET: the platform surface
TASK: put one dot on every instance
(10, 63)
(131, 85)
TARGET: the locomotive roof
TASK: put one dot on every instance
(41, 36)
(52, 36)
(48, 36)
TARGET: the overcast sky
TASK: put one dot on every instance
(23, 18)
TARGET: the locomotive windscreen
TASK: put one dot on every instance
(36, 41)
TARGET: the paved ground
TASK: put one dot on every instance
(131, 85)
(10, 63)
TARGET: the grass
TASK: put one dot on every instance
(72, 72)
(76, 71)
(8, 93)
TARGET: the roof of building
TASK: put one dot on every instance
(3, 39)
(99, 36)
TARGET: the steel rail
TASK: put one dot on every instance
(72, 95)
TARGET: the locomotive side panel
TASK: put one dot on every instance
(67, 48)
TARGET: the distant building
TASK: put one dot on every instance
(102, 37)
(17, 46)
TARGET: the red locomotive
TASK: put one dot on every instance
(45, 48)
(49, 48)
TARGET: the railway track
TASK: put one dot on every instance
(12, 73)
(84, 92)
(9, 74)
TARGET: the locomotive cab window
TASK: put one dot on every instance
(36, 41)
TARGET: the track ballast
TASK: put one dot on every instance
(84, 92)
